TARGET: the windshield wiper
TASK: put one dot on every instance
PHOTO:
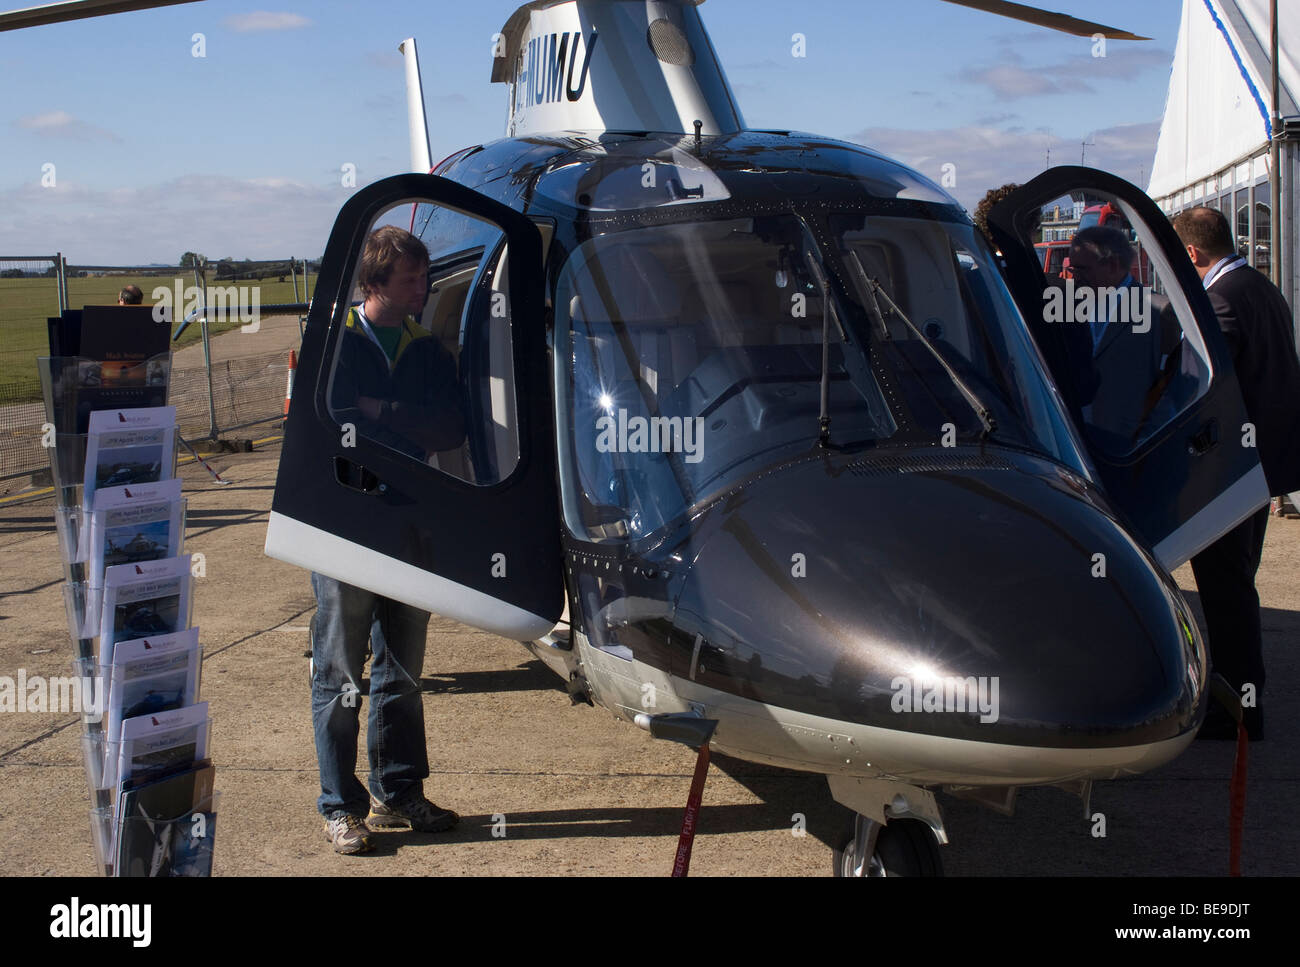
(871, 288)
(824, 420)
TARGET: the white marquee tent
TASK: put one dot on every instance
(1214, 141)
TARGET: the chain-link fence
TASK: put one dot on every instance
(246, 393)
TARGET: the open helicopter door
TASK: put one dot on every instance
(1133, 344)
(430, 480)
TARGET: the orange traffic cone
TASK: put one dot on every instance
(288, 390)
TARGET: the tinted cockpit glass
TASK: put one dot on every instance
(690, 356)
(694, 355)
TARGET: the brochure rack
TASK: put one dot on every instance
(120, 526)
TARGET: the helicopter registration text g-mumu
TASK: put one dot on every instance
(760, 432)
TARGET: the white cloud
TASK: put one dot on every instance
(260, 20)
(987, 156)
(51, 119)
(61, 124)
(1076, 74)
(1008, 82)
(268, 217)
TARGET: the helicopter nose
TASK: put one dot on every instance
(976, 598)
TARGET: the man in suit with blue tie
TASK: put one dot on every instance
(1129, 340)
(1257, 325)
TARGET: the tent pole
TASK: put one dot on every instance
(1275, 160)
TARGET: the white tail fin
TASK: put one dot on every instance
(417, 122)
(613, 65)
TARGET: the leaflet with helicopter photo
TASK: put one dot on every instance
(133, 523)
(158, 745)
(192, 849)
(152, 675)
(166, 826)
(142, 600)
(125, 446)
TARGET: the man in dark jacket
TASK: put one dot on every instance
(1257, 324)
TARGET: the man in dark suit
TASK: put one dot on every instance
(1120, 355)
(1257, 325)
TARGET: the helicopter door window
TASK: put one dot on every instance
(1130, 337)
(424, 366)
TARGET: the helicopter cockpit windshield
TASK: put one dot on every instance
(693, 356)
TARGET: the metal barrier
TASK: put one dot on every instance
(21, 417)
(245, 392)
(221, 398)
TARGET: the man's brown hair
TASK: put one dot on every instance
(130, 295)
(1207, 229)
(386, 248)
(991, 198)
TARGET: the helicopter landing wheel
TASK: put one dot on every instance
(904, 847)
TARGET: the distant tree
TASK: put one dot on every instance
(191, 259)
(12, 274)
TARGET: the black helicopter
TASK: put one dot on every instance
(766, 443)
(762, 432)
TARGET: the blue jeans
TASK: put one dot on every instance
(346, 617)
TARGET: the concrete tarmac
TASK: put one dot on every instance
(548, 788)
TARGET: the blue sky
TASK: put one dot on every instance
(238, 153)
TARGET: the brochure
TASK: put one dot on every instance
(143, 600)
(154, 746)
(192, 845)
(120, 386)
(151, 675)
(141, 522)
(124, 334)
(134, 446)
(167, 825)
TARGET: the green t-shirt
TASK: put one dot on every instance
(389, 337)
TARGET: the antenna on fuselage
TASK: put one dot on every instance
(416, 120)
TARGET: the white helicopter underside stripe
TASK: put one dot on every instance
(758, 732)
(310, 547)
(1219, 516)
(752, 730)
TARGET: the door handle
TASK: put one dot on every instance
(353, 476)
(1205, 440)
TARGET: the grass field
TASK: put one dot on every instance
(26, 303)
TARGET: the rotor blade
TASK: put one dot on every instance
(1045, 18)
(53, 13)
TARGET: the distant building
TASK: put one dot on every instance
(1060, 224)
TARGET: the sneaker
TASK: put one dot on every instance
(349, 834)
(413, 811)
